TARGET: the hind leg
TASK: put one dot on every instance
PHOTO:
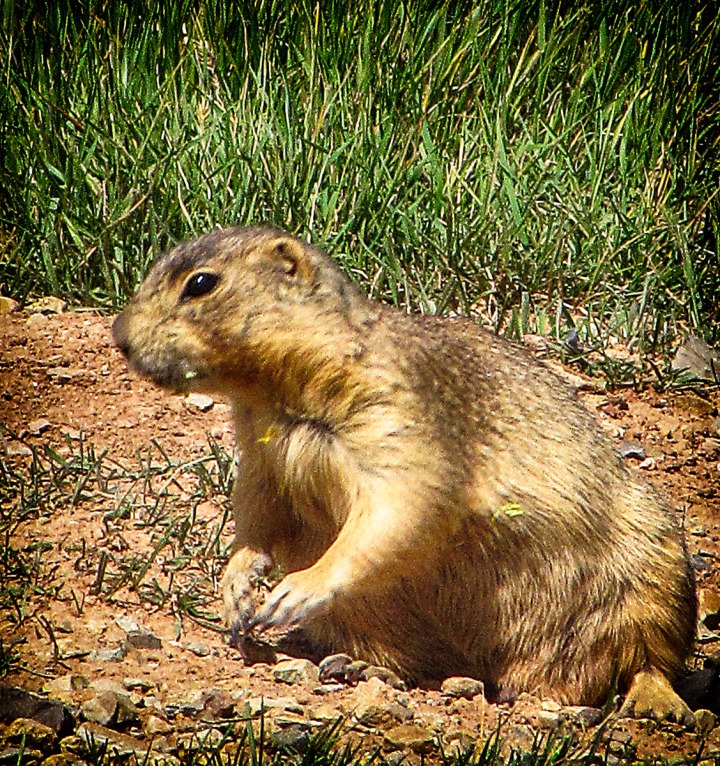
(651, 696)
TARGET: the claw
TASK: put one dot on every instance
(288, 606)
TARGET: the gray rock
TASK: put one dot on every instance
(18, 703)
(296, 672)
(354, 670)
(8, 305)
(400, 712)
(72, 746)
(39, 426)
(522, 737)
(384, 674)
(695, 359)
(586, 716)
(199, 649)
(218, 704)
(283, 719)
(324, 714)
(156, 725)
(143, 639)
(334, 668)
(108, 685)
(15, 449)
(126, 713)
(36, 322)
(328, 689)
(57, 687)
(370, 706)
(550, 719)
(201, 402)
(101, 708)
(47, 305)
(64, 626)
(698, 563)
(459, 686)
(294, 739)
(138, 684)
(190, 705)
(108, 655)
(256, 705)
(110, 707)
(632, 449)
(127, 623)
(63, 374)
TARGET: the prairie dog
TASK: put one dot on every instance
(441, 502)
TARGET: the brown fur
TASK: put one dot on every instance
(441, 501)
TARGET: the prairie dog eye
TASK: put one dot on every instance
(200, 284)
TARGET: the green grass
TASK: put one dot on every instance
(501, 157)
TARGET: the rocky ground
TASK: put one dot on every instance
(114, 522)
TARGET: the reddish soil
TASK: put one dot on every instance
(63, 369)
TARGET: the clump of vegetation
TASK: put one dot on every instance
(484, 156)
(468, 155)
(184, 546)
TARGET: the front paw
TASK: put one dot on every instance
(292, 603)
(242, 585)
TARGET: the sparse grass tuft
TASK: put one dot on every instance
(498, 158)
(178, 510)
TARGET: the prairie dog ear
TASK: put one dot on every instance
(291, 258)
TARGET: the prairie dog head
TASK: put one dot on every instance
(214, 312)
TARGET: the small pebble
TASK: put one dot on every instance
(296, 672)
(459, 686)
(38, 427)
(138, 684)
(100, 709)
(143, 640)
(199, 649)
(410, 737)
(632, 449)
(201, 402)
(8, 305)
(294, 739)
(698, 563)
(108, 655)
(47, 305)
(14, 449)
(334, 667)
(587, 716)
(705, 722)
(32, 733)
(156, 725)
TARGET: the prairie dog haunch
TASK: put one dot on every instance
(440, 501)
